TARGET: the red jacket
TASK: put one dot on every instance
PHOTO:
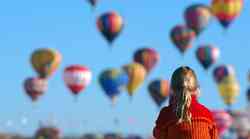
(201, 127)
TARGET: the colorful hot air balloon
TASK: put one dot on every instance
(110, 24)
(77, 78)
(93, 3)
(226, 10)
(223, 71)
(229, 90)
(223, 120)
(159, 91)
(113, 81)
(136, 73)
(182, 37)
(197, 17)
(148, 57)
(45, 61)
(207, 55)
(227, 83)
(35, 87)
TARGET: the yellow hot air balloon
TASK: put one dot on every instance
(226, 10)
(229, 89)
(45, 61)
(137, 74)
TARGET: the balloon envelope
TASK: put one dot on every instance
(159, 91)
(182, 37)
(136, 73)
(226, 10)
(248, 95)
(113, 81)
(110, 24)
(229, 89)
(207, 55)
(45, 61)
(197, 17)
(222, 71)
(223, 120)
(35, 87)
(93, 3)
(77, 78)
(148, 57)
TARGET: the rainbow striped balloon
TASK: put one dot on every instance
(226, 10)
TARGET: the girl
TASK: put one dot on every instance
(185, 117)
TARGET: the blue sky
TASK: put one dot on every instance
(69, 26)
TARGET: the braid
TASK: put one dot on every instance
(183, 84)
(182, 105)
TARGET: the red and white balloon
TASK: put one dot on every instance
(77, 78)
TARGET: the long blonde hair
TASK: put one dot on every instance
(183, 83)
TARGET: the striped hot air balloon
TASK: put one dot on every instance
(148, 57)
(110, 24)
(45, 61)
(182, 36)
(77, 78)
(226, 10)
(159, 91)
(197, 17)
(207, 55)
(136, 73)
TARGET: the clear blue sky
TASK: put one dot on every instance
(69, 26)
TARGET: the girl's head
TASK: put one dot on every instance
(184, 84)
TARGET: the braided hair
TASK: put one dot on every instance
(183, 83)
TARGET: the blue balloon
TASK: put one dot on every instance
(113, 82)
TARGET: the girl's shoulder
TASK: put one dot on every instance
(200, 111)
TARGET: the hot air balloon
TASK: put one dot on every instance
(223, 71)
(113, 81)
(248, 95)
(110, 24)
(197, 17)
(136, 73)
(227, 83)
(35, 87)
(223, 120)
(226, 10)
(77, 78)
(159, 91)
(242, 123)
(148, 57)
(45, 61)
(93, 3)
(229, 90)
(182, 37)
(207, 55)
